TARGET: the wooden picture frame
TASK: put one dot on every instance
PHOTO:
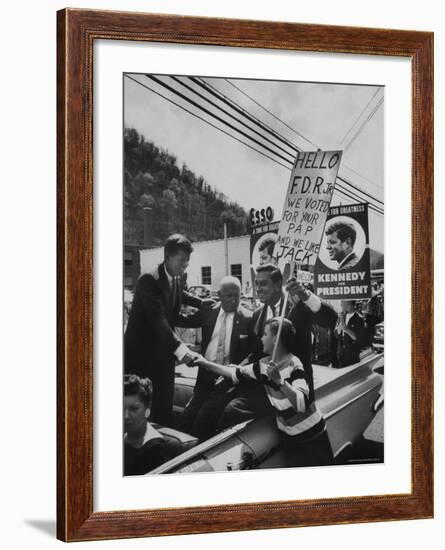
(77, 31)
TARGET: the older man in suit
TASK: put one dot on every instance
(227, 337)
(150, 343)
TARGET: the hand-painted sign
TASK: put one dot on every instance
(306, 206)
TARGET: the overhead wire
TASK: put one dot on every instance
(299, 133)
(270, 113)
(359, 116)
(206, 121)
(192, 102)
(359, 131)
(350, 194)
(227, 113)
(231, 103)
(293, 146)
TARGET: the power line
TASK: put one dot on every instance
(359, 131)
(270, 113)
(296, 148)
(341, 189)
(347, 182)
(350, 197)
(360, 175)
(206, 121)
(358, 118)
(226, 112)
(357, 198)
(185, 98)
(219, 95)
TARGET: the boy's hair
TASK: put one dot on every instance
(142, 387)
(176, 243)
(274, 272)
(287, 337)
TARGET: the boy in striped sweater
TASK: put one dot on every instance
(300, 424)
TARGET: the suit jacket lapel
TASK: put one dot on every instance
(289, 308)
(260, 321)
(165, 287)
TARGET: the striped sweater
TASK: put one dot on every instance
(301, 422)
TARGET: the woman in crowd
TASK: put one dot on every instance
(144, 447)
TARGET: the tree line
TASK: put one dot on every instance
(179, 200)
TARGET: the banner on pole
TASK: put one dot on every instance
(343, 269)
(306, 206)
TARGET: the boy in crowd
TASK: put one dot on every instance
(301, 425)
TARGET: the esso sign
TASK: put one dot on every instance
(261, 216)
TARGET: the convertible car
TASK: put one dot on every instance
(349, 399)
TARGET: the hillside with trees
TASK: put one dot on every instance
(180, 201)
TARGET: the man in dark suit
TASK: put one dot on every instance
(303, 309)
(341, 238)
(150, 343)
(308, 310)
(350, 333)
(227, 337)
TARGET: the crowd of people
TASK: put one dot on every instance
(250, 365)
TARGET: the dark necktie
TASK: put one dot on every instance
(275, 309)
(175, 293)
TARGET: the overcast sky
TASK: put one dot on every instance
(330, 116)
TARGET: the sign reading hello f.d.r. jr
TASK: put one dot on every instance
(306, 206)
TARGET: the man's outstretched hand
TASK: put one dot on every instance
(201, 361)
(190, 357)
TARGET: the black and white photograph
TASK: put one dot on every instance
(253, 274)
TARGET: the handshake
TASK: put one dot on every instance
(193, 359)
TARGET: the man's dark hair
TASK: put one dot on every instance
(142, 387)
(274, 272)
(176, 243)
(287, 336)
(268, 245)
(343, 230)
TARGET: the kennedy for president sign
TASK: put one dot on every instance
(306, 206)
(342, 271)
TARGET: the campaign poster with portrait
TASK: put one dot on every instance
(342, 271)
(262, 243)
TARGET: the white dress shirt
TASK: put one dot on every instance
(348, 317)
(275, 310)
(212, 348)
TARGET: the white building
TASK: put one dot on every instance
(210, 261)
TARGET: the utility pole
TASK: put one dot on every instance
(226, 249)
